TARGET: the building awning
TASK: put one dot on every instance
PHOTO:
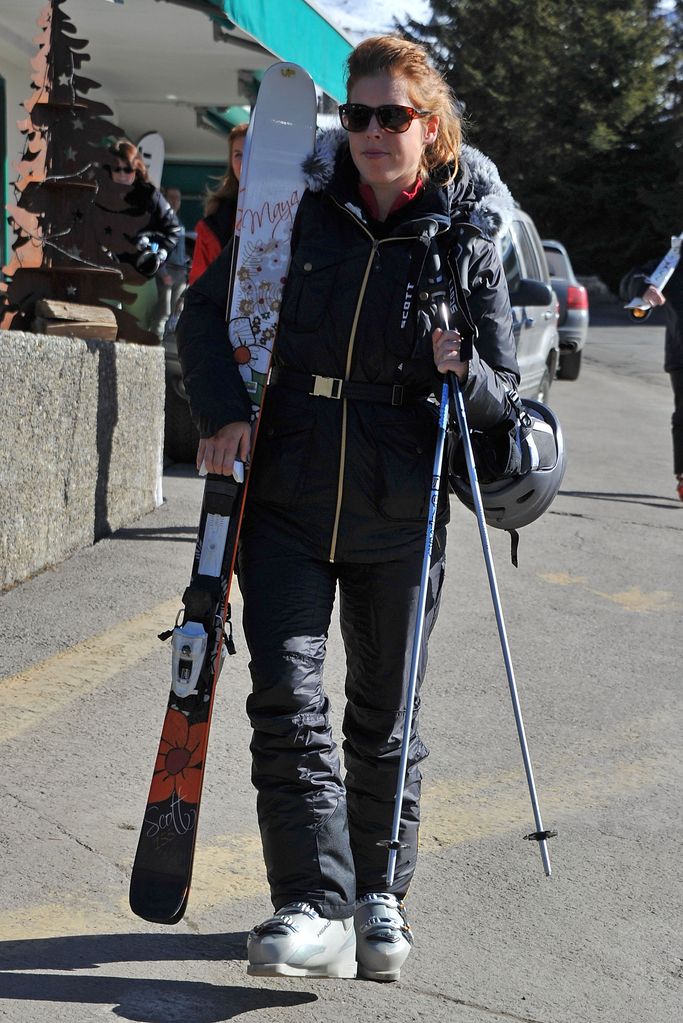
(176, 67)
(296, 31)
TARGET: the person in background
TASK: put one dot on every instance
(145, 228)
(171, 277)
(339, 492)
(671, 298)
(216, 228)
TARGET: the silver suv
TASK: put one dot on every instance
(534, 305)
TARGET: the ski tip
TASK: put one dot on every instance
(286, 69)
(158, 898)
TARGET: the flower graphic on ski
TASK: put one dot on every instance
(252, 357)
(260, 279)
(178, 766)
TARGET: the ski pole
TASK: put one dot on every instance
(393, 844)
(540, 835)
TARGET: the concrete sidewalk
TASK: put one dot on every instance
(593, 616)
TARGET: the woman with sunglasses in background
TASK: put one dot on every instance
(339, 492)
(144, 229)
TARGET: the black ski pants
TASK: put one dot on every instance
(319, 830)
(677, 419)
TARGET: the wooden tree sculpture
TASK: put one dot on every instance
(65, 243)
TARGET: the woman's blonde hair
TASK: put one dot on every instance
(400, 58)
(228, 186)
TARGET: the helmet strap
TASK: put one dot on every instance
(514, 546)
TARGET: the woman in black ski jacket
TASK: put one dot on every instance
(145, 220)
(339, 492)
(137, 226)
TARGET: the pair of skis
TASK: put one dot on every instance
(281, 134)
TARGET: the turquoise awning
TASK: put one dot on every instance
(225, 120)
(294, 30)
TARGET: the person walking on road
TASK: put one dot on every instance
(671, 298)
(339, 490)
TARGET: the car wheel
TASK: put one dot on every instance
(181, 437)
(570, 365)
(544, 387)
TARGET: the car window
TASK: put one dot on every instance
(510, 261)
(537, 248)
(557, 264)
(529, 257)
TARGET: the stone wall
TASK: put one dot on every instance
(81, 444)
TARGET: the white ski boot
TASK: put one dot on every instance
(383, 936)
(298, 942)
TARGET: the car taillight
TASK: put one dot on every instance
(577, 297)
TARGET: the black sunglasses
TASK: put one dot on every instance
(390, 116)
(125, 169)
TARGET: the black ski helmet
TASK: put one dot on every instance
(518, 500)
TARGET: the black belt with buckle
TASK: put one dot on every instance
(333, 387)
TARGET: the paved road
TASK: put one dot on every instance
(594, 619)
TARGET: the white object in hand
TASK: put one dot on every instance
(237, 470)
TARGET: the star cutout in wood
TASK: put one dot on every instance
(78, 124)
(65, 79)
(70, 154)
(71, 290)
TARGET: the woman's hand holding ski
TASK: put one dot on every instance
(217, 454)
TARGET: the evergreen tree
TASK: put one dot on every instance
(569, 99)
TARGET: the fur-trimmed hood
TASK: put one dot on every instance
(478, 193)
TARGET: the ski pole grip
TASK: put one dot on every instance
(450, 320)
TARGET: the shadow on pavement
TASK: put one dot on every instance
(185, 470)
(139, 1000)
(648, 500)
(180, 534)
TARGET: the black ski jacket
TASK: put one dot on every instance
(144, 211)
(347, 479)
(162, 226)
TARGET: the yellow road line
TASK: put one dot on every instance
(455, 812)
(633, 599)
(35, 694)
(229, 867)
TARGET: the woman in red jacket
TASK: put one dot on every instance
(216, 228)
